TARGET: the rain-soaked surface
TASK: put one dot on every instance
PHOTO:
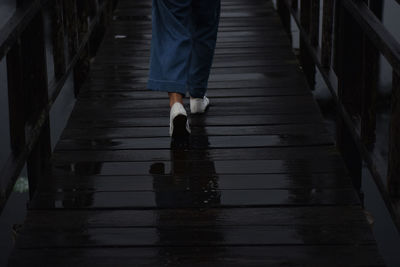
(213, 174)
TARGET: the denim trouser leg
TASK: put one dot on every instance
(205, 20)
(183, 43)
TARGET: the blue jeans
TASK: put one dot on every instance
(182, 47)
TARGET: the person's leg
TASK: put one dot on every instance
(170, 57)
(205, 19)
(175, 97)
(171, 47)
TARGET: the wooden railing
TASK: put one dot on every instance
(76, 28)
(353, 38)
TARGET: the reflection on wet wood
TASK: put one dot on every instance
(259, 183)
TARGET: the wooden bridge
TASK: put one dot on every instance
(261, 182)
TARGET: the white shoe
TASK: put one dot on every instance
(178, 121)
(198, 105)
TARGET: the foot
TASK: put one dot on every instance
(178, 122)
(198, 105)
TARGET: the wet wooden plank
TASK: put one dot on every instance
(220, 57)
(221, 61)
(130, 52)
(297, 255)
(232, 26)
(218, 74)
(186, 164)
(229, 113)
(121, 112)
(238, 120)
(140, 92)
(194, 199)
(144, 45)
(255, 13)
(251, 72)
(74, 182)
(200, 236)
(197, 142)
(277, 38)
(256, 77)
(251, 92)
(242, 84)
(40, 220)
(131, 132)
(287, 153)
(250, 35)
(217, 102)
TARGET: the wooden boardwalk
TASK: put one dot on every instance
(260, 183)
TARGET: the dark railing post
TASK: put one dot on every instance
(108, 11)
(16, 99)
(306, 59)
(284, 13)
(394, 140)
(70, 23)
(56, 12)
(92, 7)
(335, 45)
(327, 28)
(17, 95)
(294, 4)
(82, 18)
(314, 22)
(370, 83)
(349, 60)
(36, 85)
(82, 67)
(369, 93)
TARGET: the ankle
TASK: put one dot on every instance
(172, 102)
(175, 97)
